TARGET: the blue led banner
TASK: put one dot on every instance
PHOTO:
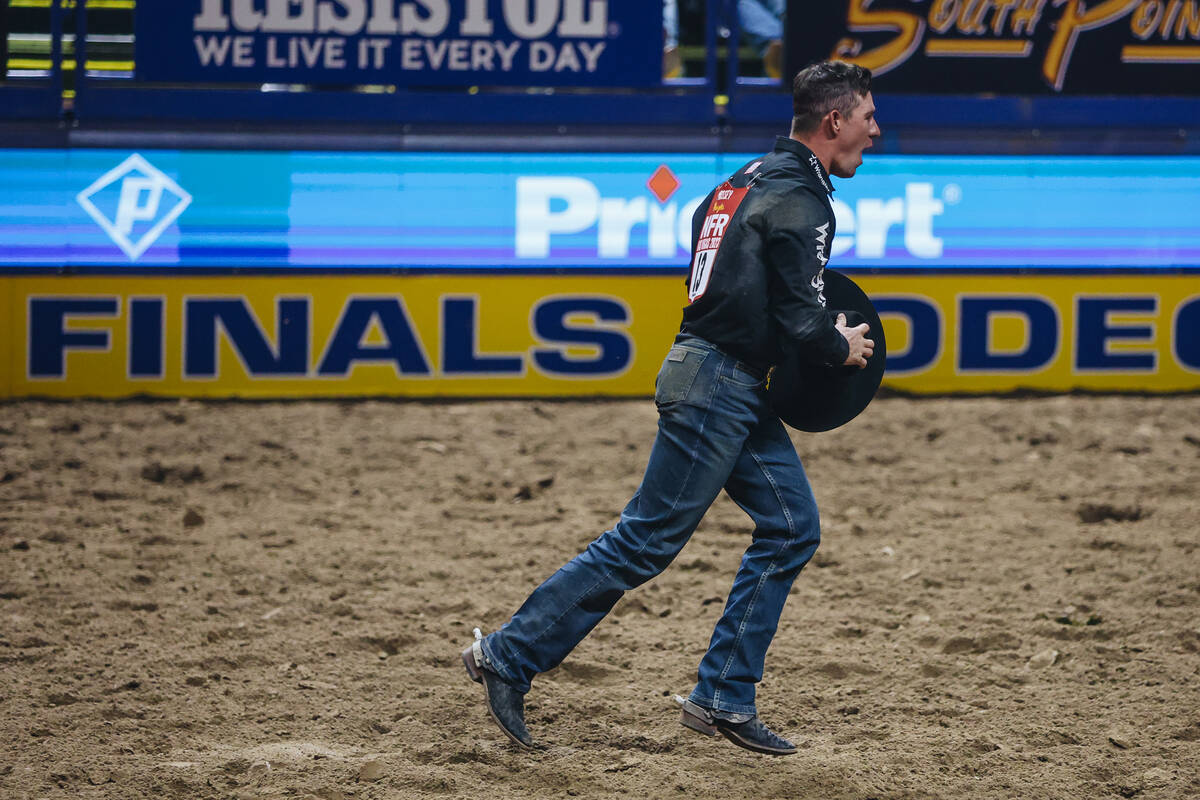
(401, 42)
(167, 209)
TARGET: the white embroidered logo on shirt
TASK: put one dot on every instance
(818, 281)
(820, 173)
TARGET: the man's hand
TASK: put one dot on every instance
(861, 348)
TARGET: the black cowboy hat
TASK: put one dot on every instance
(812, 397)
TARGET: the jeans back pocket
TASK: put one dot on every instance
(677, 375)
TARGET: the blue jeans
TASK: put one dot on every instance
(715, 430)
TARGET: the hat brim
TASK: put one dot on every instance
(816, 398)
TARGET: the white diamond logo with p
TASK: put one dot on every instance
(142, 200)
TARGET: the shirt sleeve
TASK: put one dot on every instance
(798, 234)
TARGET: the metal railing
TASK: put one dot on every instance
(48, 39)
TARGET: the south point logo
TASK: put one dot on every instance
(1008, 28)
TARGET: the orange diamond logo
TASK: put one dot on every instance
(663, 183)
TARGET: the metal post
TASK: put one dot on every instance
(56, 33)
(732, 67)
(3, 41)
(80, 50)
(712, 21)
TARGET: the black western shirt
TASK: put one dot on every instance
(760, 242)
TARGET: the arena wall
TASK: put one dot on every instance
(218, 273)
(513, 336)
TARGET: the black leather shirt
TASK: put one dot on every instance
(760, 242)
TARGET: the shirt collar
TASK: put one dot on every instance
(808, 157)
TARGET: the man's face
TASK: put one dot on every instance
(854, 133)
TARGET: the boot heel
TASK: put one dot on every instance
(468, 659)
(472, 657)
(695, 718)
(697, 724)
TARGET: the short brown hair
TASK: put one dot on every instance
(824, 86)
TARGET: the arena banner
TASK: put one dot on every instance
(324, 336)
(10, 338)
(446, 212)
(1139, 47)
(985, 334)
(425, 43)
(558, 336)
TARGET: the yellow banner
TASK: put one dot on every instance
(984, 334)
(9, 337)
(324, 336)
(514, 336)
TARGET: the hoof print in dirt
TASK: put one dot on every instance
(530, 491)
(61, 699)
(1091, 513)
(173, 475)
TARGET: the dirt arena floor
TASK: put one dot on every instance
(223, 600)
